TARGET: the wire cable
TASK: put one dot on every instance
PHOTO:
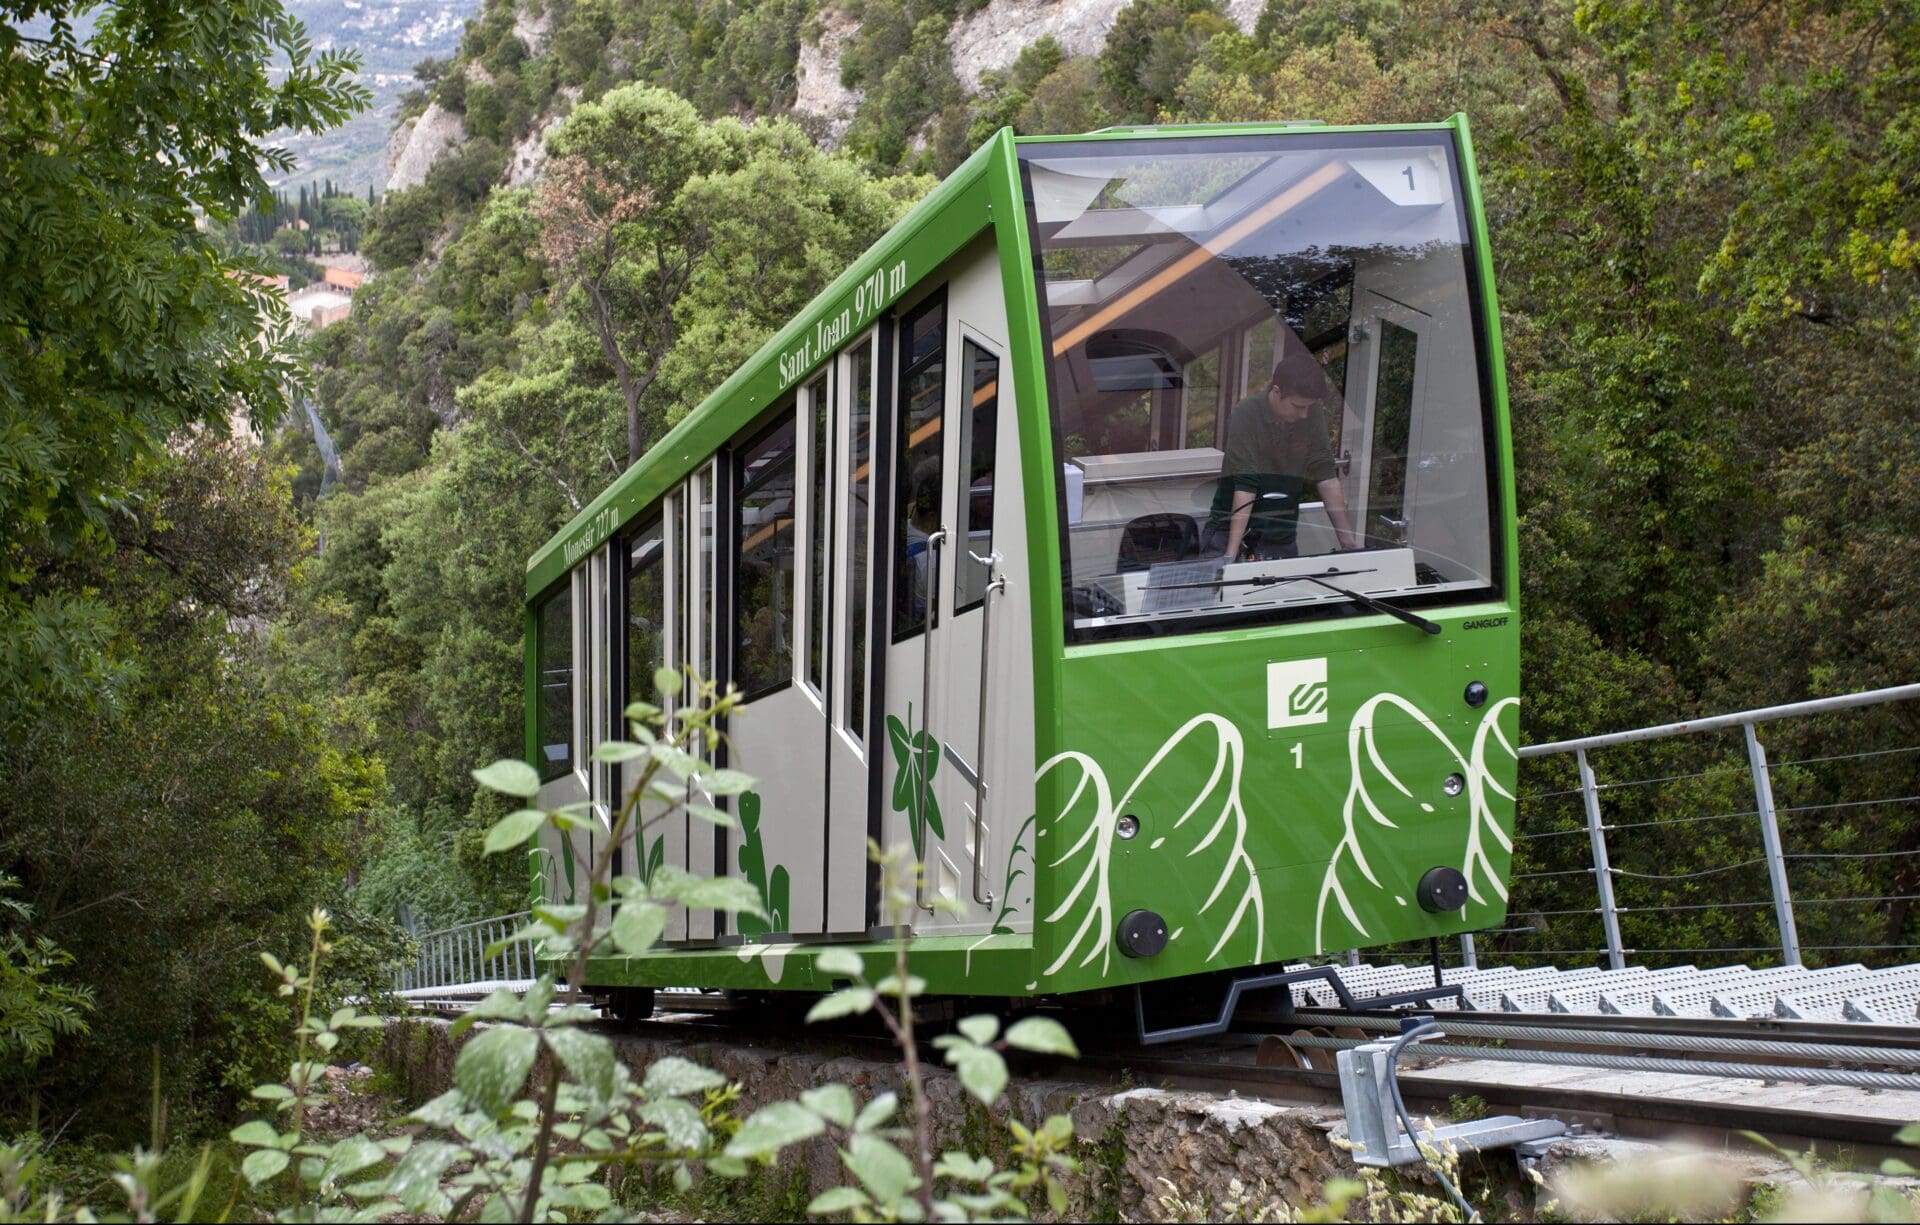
(1419, 1031)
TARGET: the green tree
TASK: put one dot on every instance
(1150, 49)
(120, 320)
(159, 839)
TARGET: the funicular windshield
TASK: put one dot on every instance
(1263, 366)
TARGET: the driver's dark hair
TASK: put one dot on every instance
(1299, 370)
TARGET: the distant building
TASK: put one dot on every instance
(319, 306)
(344, 279)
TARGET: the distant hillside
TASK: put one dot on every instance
(391, 36)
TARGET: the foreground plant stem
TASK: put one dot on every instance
(577, 972)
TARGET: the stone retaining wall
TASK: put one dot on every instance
(1131, 1139)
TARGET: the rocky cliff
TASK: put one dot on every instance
(418, 143)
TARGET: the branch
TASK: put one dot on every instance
(573, 499)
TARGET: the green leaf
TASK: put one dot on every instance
(839, 1199)
(255, 1133)
(724, 782)
(772, 1128)
(443, 1111)
(712, 815)
(843, 1003)
(617, 751)
(838, 963)
(588, 1057)
(349, 1157)
(501, 1005)
(677, 1077)
(884, 1169)
(586, 1196)
(513, 830)
(981, 1029)
(560, 916)
(963, 1167)
(510, 777)
(638, 926)
(890, 985)
(727, 893)
(834, 1103)
(982, 1072)
(876, 1112)
(667, 681)
(1042, 1035)
(1910, 1134)
(639, 711)
(679, 1120)
(272, 1093)
(492, 1068)
(416, 1178)
(263, 1164)
(1896, 1168)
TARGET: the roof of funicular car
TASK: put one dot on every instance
(949, 217)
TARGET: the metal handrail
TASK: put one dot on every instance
(1773, 855)
(1714, 723)
(457, 955)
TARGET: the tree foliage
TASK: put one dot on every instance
(120, 321)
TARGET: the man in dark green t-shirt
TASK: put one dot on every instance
(1277, 454)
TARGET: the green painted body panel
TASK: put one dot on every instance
(1259, 845)
(1256, 844)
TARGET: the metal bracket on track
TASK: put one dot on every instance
(1366, 1091)
(1260, 982)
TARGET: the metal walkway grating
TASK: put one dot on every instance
(1849, 993)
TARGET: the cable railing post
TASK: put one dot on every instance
(1602, 870)
(1770, 840)
(1468, 960)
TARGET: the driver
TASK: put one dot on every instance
(1277, 450)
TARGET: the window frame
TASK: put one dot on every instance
(560, 593)
(962, 508)
(785, 415)
(934, 300)
(1497, 438)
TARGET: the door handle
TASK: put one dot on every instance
(934, 542)
(996, 583)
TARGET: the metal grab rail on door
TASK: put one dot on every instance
(996, 583)
(936, 539)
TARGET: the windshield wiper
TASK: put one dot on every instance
(1371, 603)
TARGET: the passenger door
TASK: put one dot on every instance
(850, 628)
(948, 610)
(1386, 350)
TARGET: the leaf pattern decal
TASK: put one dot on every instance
(1376, 793)
(773, 889)
(1210, 831)
(916, 756)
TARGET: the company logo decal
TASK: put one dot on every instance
(1296, 693)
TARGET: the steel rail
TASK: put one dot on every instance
(1903, 1081)
(1708, 1043)
(1628, 1115)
